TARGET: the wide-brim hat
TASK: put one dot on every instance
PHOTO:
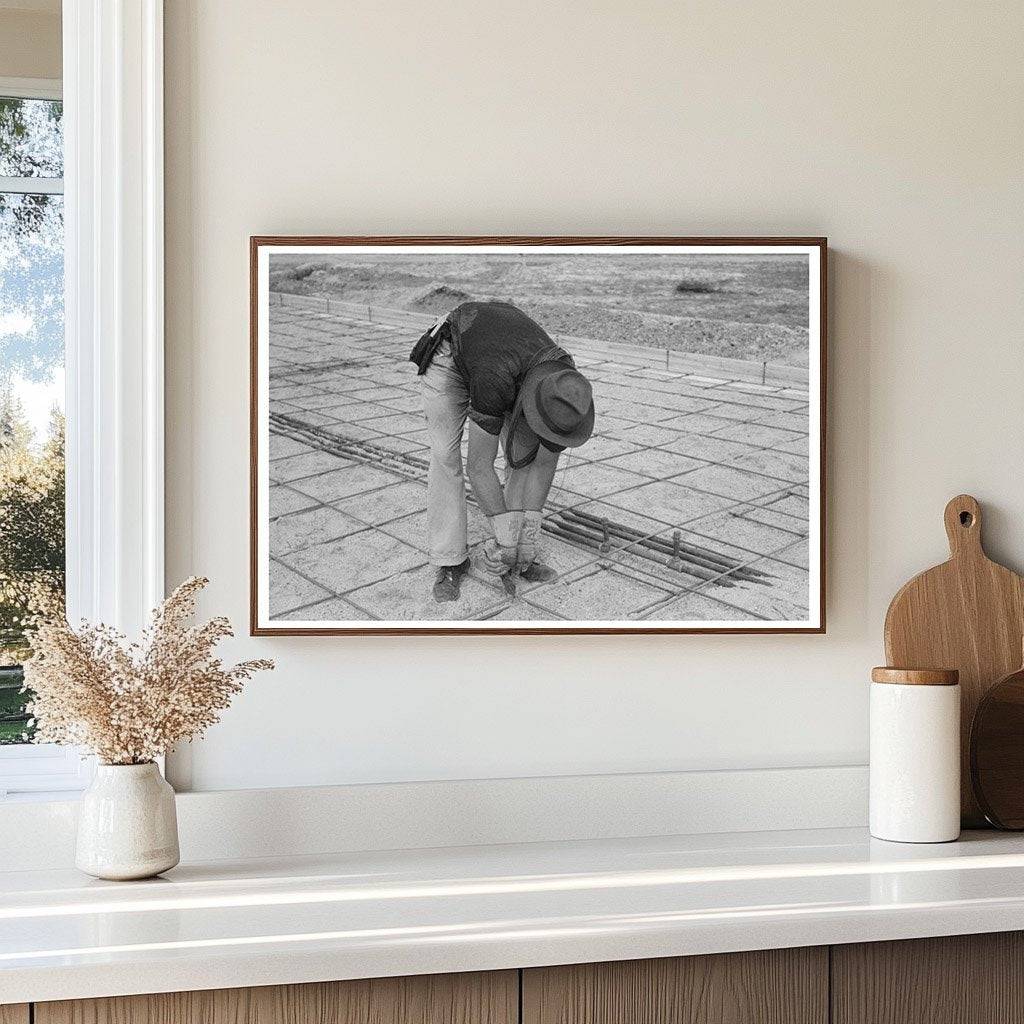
(557, 403)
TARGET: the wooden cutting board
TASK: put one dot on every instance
(967, 614)
(997, 752)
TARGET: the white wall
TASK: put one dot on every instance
(895, 129)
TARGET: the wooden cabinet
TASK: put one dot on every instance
(970, 979)
(962, 979)
(490, 998)
(778, 986)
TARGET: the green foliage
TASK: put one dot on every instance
(32, 549)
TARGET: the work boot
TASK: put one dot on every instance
(448, 581)
(538, 572)
(531, 568)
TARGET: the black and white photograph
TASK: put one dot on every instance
(546, 436)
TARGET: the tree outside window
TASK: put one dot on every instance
(31, 386)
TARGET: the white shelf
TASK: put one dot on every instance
(351, 915)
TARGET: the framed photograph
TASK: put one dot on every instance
(537, 435)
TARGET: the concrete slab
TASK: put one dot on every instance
(738, 413)
(284, 500)
(387, 503)
(756, 434)
(612, 508)
(756, 404)
(670, 503)
(599, 447)
(647, 434)
(378, 393)
(798, 556)
(655, 463)
(754, 537)
(794, 504)
(731, 483)
(338, 398)
(354, 561)
(798, 446)
(602, 594)
(797, 422)
(402, 445)
(778, 465)
(314, 526)
(342, 483)
(565, 558)
(521, 610)
(289, 590)
(785, 599)
(352, 431)
(310, 463)
(638, 412)
(351, 378)
(316, 402)
(674, 402)
(608, 425)
(284, 447)
(282, 392)
(413, 528)
(407, 403)
(396, 423)
(407, 596)
(420, 437)
(360, 412)
(335, 609)
(309, 418)
(706, 448)
(595, 479)
(697, 606)
(698, 422)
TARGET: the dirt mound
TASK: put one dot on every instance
(439, 299)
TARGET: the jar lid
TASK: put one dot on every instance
(916, 676)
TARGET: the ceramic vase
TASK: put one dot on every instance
(127, 825)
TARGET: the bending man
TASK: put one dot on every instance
(489, 362)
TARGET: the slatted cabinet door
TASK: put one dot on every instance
(14, 1013)
(961, 979)
(777, 986)
(490, 998)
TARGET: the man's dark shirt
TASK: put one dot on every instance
(494, 344)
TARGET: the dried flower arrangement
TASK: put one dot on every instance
(129, 703)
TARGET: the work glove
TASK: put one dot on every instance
(529, 555)
(500, 551)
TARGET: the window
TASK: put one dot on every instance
(89, 173)
(32, 549)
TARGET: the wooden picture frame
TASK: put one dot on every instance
(778, 396)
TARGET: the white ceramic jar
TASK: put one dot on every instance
(127, 824)
(915, 755)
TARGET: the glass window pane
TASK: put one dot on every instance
(31, 432)
(31, 138)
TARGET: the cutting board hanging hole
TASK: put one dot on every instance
(963, 526)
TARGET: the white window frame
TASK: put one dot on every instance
(114, 323)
